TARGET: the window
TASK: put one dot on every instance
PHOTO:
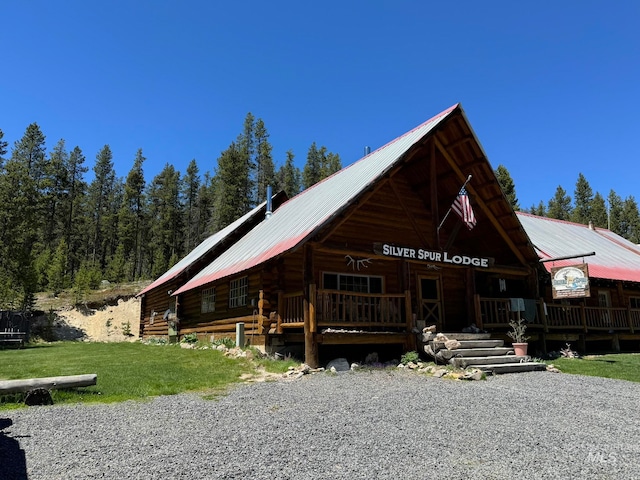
(352, 283)
(238, 289)
(634, 302)
(208, 300)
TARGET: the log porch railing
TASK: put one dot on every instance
(496, 312)
(340, 309)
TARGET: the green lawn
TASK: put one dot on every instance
(125, 370)
(622, 366)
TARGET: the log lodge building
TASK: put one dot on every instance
(364, 259)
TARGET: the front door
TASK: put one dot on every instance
(431, 310)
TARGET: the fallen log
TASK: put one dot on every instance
(49, 383)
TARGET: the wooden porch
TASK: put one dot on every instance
(335, 317)
(557, 322)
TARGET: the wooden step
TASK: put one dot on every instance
(481, 352)
(460, 336)
(468, 336)
(473, 344)
(463, 362)
(512, 367)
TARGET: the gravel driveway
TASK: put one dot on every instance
(365, 425)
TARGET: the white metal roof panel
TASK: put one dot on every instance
(202, 249)
(615, 257)
(302, 215)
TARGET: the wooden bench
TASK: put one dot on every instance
(13, 337)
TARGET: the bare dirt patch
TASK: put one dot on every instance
(110, 323)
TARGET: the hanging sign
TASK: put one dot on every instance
(571, 281)
(430, 255)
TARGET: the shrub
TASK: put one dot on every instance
(410, 357)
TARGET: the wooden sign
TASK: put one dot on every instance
(571, 281)
(430, 255)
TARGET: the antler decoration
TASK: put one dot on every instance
(357, 262)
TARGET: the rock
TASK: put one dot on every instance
(371, 358)
(304, 368)
(431, 329)
(474, 374)
(452, 344)
(333, 369)
(412, 366)
(427, 336)
(187, 345)
(441, 372)
(441, 337)
(552, 369)
(355, 366)
(339, 364)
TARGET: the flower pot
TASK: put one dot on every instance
(520, 349)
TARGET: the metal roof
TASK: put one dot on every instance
(202, 249)
(300, 217)
(615, 258)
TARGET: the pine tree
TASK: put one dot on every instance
(289, 176)
(320, 164)
(630, 225)
(266, 175)
(330, 163)
(101, 205)
(615, 213)
(131, 216)
(508, 187)
(583, 196)
(57, 272)
(20, 206)
(539, 210)
(74, 209)
(560, 205)
(599, 211)
(3, 149)
(206, 221)
(190, 190)
(53, 189)
(233, 185)
(166, 219)
(312, 172)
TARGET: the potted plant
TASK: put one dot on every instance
(517, 335)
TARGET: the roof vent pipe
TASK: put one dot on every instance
(267, 215)
(367, 151)
(591, 225)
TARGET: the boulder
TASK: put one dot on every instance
(339, 364)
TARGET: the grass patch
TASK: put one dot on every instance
(125, 370)
(621, 366)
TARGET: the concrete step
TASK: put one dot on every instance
(512, 367)
(463, 362)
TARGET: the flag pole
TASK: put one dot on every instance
(449, 211)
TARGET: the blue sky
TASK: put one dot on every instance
(550, 88)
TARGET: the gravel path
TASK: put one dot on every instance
(366, 425)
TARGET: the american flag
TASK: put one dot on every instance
(462, 207)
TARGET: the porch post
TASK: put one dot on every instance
(281, 312)
(411, 342)
(309, 307)
(310, 344)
